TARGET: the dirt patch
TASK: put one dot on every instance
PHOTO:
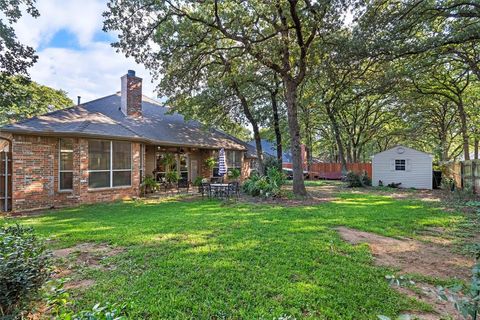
(412, 256)
(87, 250)
(80, 284)
(84, 255)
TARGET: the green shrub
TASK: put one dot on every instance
(24, 268)
(172, 176)
(466, 299)
(210, 162)
(266, 186)
(356, 180)
(234, 173)
(108, 311)
(149, 184)
(198, 181)
(270, 162)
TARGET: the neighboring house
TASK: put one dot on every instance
(269, 149)
(100, 150)
(411, 168)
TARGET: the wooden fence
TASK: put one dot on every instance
(334, 170)
(466, 174)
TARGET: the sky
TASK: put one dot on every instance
(74, 53)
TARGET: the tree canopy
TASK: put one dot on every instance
(15, 57)
(21, 98)
(302, 72)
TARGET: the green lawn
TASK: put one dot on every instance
(204, 259)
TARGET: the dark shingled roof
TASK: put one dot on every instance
(102, 118)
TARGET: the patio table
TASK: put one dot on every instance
(219, 190)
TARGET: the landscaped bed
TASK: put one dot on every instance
(206, 259)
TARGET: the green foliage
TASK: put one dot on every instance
(21, 98)
(265, 186)
(234, 173)
(355, 179)
(271, 162)
(149, 184)
(198, 181)
(107, 311)
(61, 305)
(172, 176)
(210, 162)
(15, 58)
(401, 281)
(448, 184)
(468, 303)
(57, 299)
(24, 268)
(168, 160)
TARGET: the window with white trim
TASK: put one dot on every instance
(109, 164)
(65, 165)
(400, 165)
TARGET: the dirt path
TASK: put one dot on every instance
(416, 257)
(412, 256)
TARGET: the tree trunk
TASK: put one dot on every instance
(476, 144)
(338, 139)
(464, 129)
(294, 129)
(253, 122)
(276, 126)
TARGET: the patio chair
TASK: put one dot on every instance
(205, 189)
(216, 180)
(183, 184)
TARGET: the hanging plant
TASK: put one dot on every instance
(210, 162)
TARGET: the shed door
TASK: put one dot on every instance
(5, 181)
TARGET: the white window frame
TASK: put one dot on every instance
(111, 170)
(60, 171)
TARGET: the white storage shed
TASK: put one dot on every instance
(410, 167)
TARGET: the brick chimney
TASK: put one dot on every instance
(131, 101)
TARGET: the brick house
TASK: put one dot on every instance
(100, 151)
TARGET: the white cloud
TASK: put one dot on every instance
(83, 18)
(90, 69)
(90, 73)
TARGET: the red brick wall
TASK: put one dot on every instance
(35, 175)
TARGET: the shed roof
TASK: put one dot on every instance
(401, 146)
(102, 118)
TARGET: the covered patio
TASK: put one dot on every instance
(189, 164)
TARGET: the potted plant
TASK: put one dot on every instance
(234, 174)
(168, 161)
(198, 183)
(171, 177)
(148, 185)
(210, 163)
